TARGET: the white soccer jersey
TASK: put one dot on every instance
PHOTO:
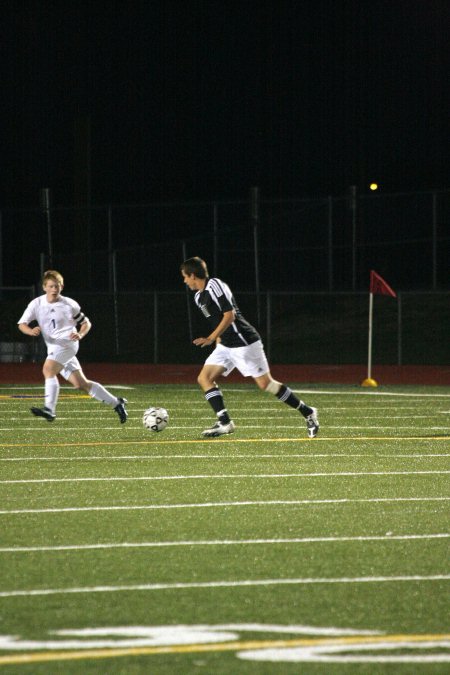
(57, 320)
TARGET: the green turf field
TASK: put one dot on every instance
(263, 552)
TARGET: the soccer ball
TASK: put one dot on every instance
(155, 419)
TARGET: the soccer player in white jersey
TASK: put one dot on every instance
(62, 325)
(238, 345)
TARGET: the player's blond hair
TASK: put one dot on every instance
(52, 275)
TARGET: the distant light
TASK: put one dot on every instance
(373, 186)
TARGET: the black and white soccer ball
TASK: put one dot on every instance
(155, 419)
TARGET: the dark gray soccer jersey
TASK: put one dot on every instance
(217, 298)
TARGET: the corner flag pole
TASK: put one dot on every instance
(369, 349)
(377, 285)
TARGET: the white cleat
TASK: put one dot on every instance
(312, 423)
(218, 429)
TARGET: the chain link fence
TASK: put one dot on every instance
(297, 328)
(324, 244)
(299, 268)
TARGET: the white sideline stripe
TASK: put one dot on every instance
(367, 393)
(282, 427)
(222, 476)
(221, 542)
(90, 458)
(246, 390)
(342, 392)
(272, 413)
(228, 439)
(45, 431)
(222, 584)
(351, 426)
(277, 502)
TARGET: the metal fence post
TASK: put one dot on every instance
(353, 210)
(254, 209)
(434, 240)
(215, 239)
(110, 251)
(269, 324)
(399, 330)
(155, 327)
(115, 303)
(1, 250)
(188, 299)
(42, 264)
(45, 204)
(330, 243)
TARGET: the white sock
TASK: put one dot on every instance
(51, 393)
(101, 394)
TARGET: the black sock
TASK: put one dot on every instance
(286, 395)
(215, 400)
(305, 409)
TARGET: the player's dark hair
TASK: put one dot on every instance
(195, 266)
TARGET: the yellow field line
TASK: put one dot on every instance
(36, 657)
(196, 441)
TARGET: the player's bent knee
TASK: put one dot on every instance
(273, 387)
(205, 381)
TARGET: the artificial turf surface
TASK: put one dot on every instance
(128, 551)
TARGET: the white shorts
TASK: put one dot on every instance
(250, 360)
(66, 357)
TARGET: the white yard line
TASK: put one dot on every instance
(224, 584)
(203, 505)
(217, 441)
(279, 455)
(231, 476)
(223, 542)
(370, 393)
(442, 434)
(247, 390)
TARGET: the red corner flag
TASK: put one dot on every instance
(378, 285)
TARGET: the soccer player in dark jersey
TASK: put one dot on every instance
(238, 345)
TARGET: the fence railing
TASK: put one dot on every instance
(323, 244)
(311, 328)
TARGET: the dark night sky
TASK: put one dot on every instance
(200, 99)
